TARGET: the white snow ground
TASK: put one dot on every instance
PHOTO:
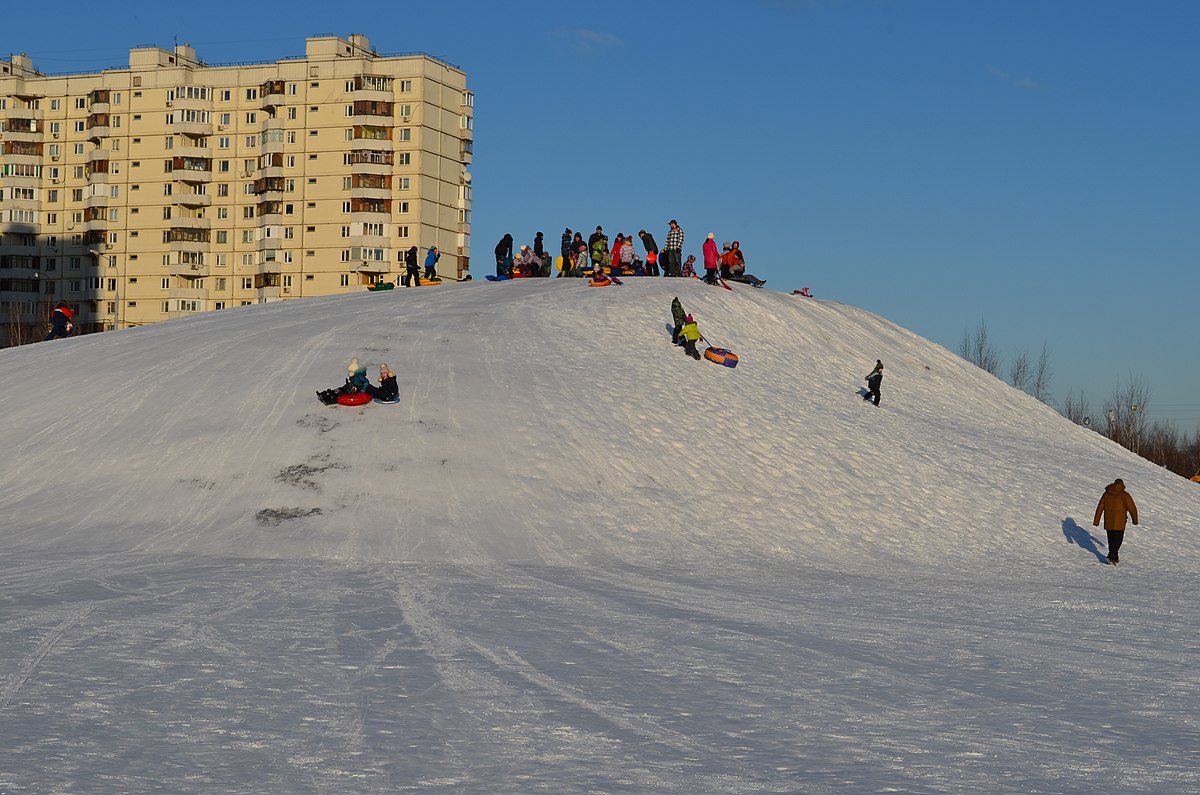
(574, 560)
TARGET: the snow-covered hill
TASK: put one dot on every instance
(572, 559)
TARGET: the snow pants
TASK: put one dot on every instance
(1115, 537)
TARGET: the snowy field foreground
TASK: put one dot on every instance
(573, 560)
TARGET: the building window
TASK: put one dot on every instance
(345, 280)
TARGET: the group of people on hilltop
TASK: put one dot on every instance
(581, 257)
(412, 271)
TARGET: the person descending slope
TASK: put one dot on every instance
(874, 379)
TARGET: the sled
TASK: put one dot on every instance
(721, 356)
(492, 278)
(424, 282)
(381, 286)
(803, 292)
(357, 399)
(391, 402)
(600, 282)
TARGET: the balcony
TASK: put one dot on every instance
(187, 270)
(192, 169)
(381, 267)
(28, 149)
(193, 129)
(271, 93)
(192, 199)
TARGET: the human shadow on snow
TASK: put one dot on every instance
(1081, 538)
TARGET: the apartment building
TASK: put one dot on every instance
(173, 187)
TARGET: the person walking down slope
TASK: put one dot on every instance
(60, 321)
(1115, 504)
(680, 317)
(874, 379)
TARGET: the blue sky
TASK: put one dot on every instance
(1029, 165)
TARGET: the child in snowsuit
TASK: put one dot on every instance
(680, 317)
(691, 333)
(431, 260)
(1115, 504)
(689, 270)
(60, 321)
(356, 381)
(874, 379)
(387, 389)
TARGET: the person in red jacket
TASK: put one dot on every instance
(60, 321)
(1115, 504)
(709, 249)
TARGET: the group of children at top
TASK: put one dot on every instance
(596, 259)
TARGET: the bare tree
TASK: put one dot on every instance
(1125, 414)
(977, 349)
(1077, 410)
(1040, 387)
(1018, 374)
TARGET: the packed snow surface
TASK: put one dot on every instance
(574, 560)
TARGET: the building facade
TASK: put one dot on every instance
(173, 187)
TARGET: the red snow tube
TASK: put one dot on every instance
(600, 283)
(357, 399)
(721, 356)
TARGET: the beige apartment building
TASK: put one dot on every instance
(173, 187)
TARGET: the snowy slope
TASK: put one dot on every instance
(639, 572)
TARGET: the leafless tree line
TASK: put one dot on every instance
(1123, 418)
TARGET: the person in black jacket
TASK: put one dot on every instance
(873, 382)
(504, 256)
(412, 271)
(387, 389)
(595, 236)
(651, 249)
(566, 253)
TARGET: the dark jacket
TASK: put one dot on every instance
(410, 259)
(1114, 504)
(648, 242)
(539, 245)
(504, 248)
(677, 313)
(387, 389)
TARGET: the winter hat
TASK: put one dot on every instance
(725, 247)
(711, 235)
(689, 319)
(354, 366)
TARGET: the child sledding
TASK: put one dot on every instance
(359, 390)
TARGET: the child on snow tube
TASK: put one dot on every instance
(356, 382)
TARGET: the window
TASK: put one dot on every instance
(404, 86)
(402, 207)
(222, 236)
(404, 158)
(247, 235)
(404, 111)
(402, 231)
(226, 96)
(223, 142)
(251, 93)
(345, 231)
(166, 283)
(345, 280)
(247, 281)
(466, 122)
(404, 134)
(291, 114)
(223, 189)
(402, 183)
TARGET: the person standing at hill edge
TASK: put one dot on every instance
(671, 266)
(874, 379)
(1115, 504)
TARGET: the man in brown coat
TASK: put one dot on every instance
(1115, 503)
